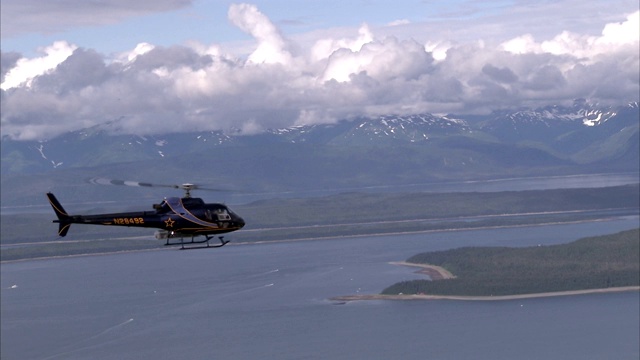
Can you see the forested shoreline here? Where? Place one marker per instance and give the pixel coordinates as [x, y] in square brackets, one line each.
[351, 214]
[590, 263]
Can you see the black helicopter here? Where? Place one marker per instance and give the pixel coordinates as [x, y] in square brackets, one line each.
[176, 218]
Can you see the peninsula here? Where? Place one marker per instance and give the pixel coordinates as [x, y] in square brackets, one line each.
[596, 264]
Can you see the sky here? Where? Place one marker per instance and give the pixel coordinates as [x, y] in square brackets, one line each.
[156, 66]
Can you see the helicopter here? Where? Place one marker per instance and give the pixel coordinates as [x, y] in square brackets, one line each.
[175, 218]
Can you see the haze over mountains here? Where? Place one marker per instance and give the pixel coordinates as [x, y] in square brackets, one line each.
[385, 150]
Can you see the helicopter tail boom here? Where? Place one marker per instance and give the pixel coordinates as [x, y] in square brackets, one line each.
[63, 218]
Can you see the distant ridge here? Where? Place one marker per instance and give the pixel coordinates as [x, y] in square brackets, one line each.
[389, 150]
[583, 133]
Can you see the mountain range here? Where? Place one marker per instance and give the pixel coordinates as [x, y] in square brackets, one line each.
[358, 152]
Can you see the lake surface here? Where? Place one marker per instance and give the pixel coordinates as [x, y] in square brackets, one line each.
[270, 301]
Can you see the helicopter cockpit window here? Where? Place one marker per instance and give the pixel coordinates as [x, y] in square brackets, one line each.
[222, 215]
[219, 214]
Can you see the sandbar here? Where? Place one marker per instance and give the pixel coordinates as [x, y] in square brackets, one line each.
[433, 271]
[439, 273]
[482, 298]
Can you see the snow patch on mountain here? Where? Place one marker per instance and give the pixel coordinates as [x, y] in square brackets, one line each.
[552, 126]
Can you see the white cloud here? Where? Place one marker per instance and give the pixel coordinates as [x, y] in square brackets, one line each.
[625, 32]
[399, 22]
[438, 49]
[140, 49]
[272, 48]
[26, 70]
[614, 36]
[206, 87]
[521, 45]
[323, 48]
[382, 60]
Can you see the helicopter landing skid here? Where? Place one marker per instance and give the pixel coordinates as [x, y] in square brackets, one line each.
[182, 243]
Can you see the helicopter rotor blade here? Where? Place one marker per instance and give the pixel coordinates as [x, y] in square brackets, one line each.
[105, 181]
[185, 186]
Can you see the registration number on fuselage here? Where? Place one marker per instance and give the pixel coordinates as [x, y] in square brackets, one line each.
[128, 221]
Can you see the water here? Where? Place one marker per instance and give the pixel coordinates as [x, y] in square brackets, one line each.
[270, 301]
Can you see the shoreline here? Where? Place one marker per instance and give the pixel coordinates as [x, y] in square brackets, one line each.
[348, 298]
[265, 242]
[432, 271]
[439, 273]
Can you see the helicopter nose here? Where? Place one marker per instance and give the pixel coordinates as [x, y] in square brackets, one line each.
[240, 222]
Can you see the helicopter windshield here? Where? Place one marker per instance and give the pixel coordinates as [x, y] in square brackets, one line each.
[217, 214]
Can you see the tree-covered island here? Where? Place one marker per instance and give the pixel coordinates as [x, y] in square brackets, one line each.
[601, 262]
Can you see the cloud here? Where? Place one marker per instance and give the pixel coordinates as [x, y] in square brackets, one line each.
[46, 17]
[8, 62]
[613, 37]
[381, 60]
[280, 83]
[272, 47]
[503, 75]
[625, 32]
[399, 22]
[25, 70]
[324, 48]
